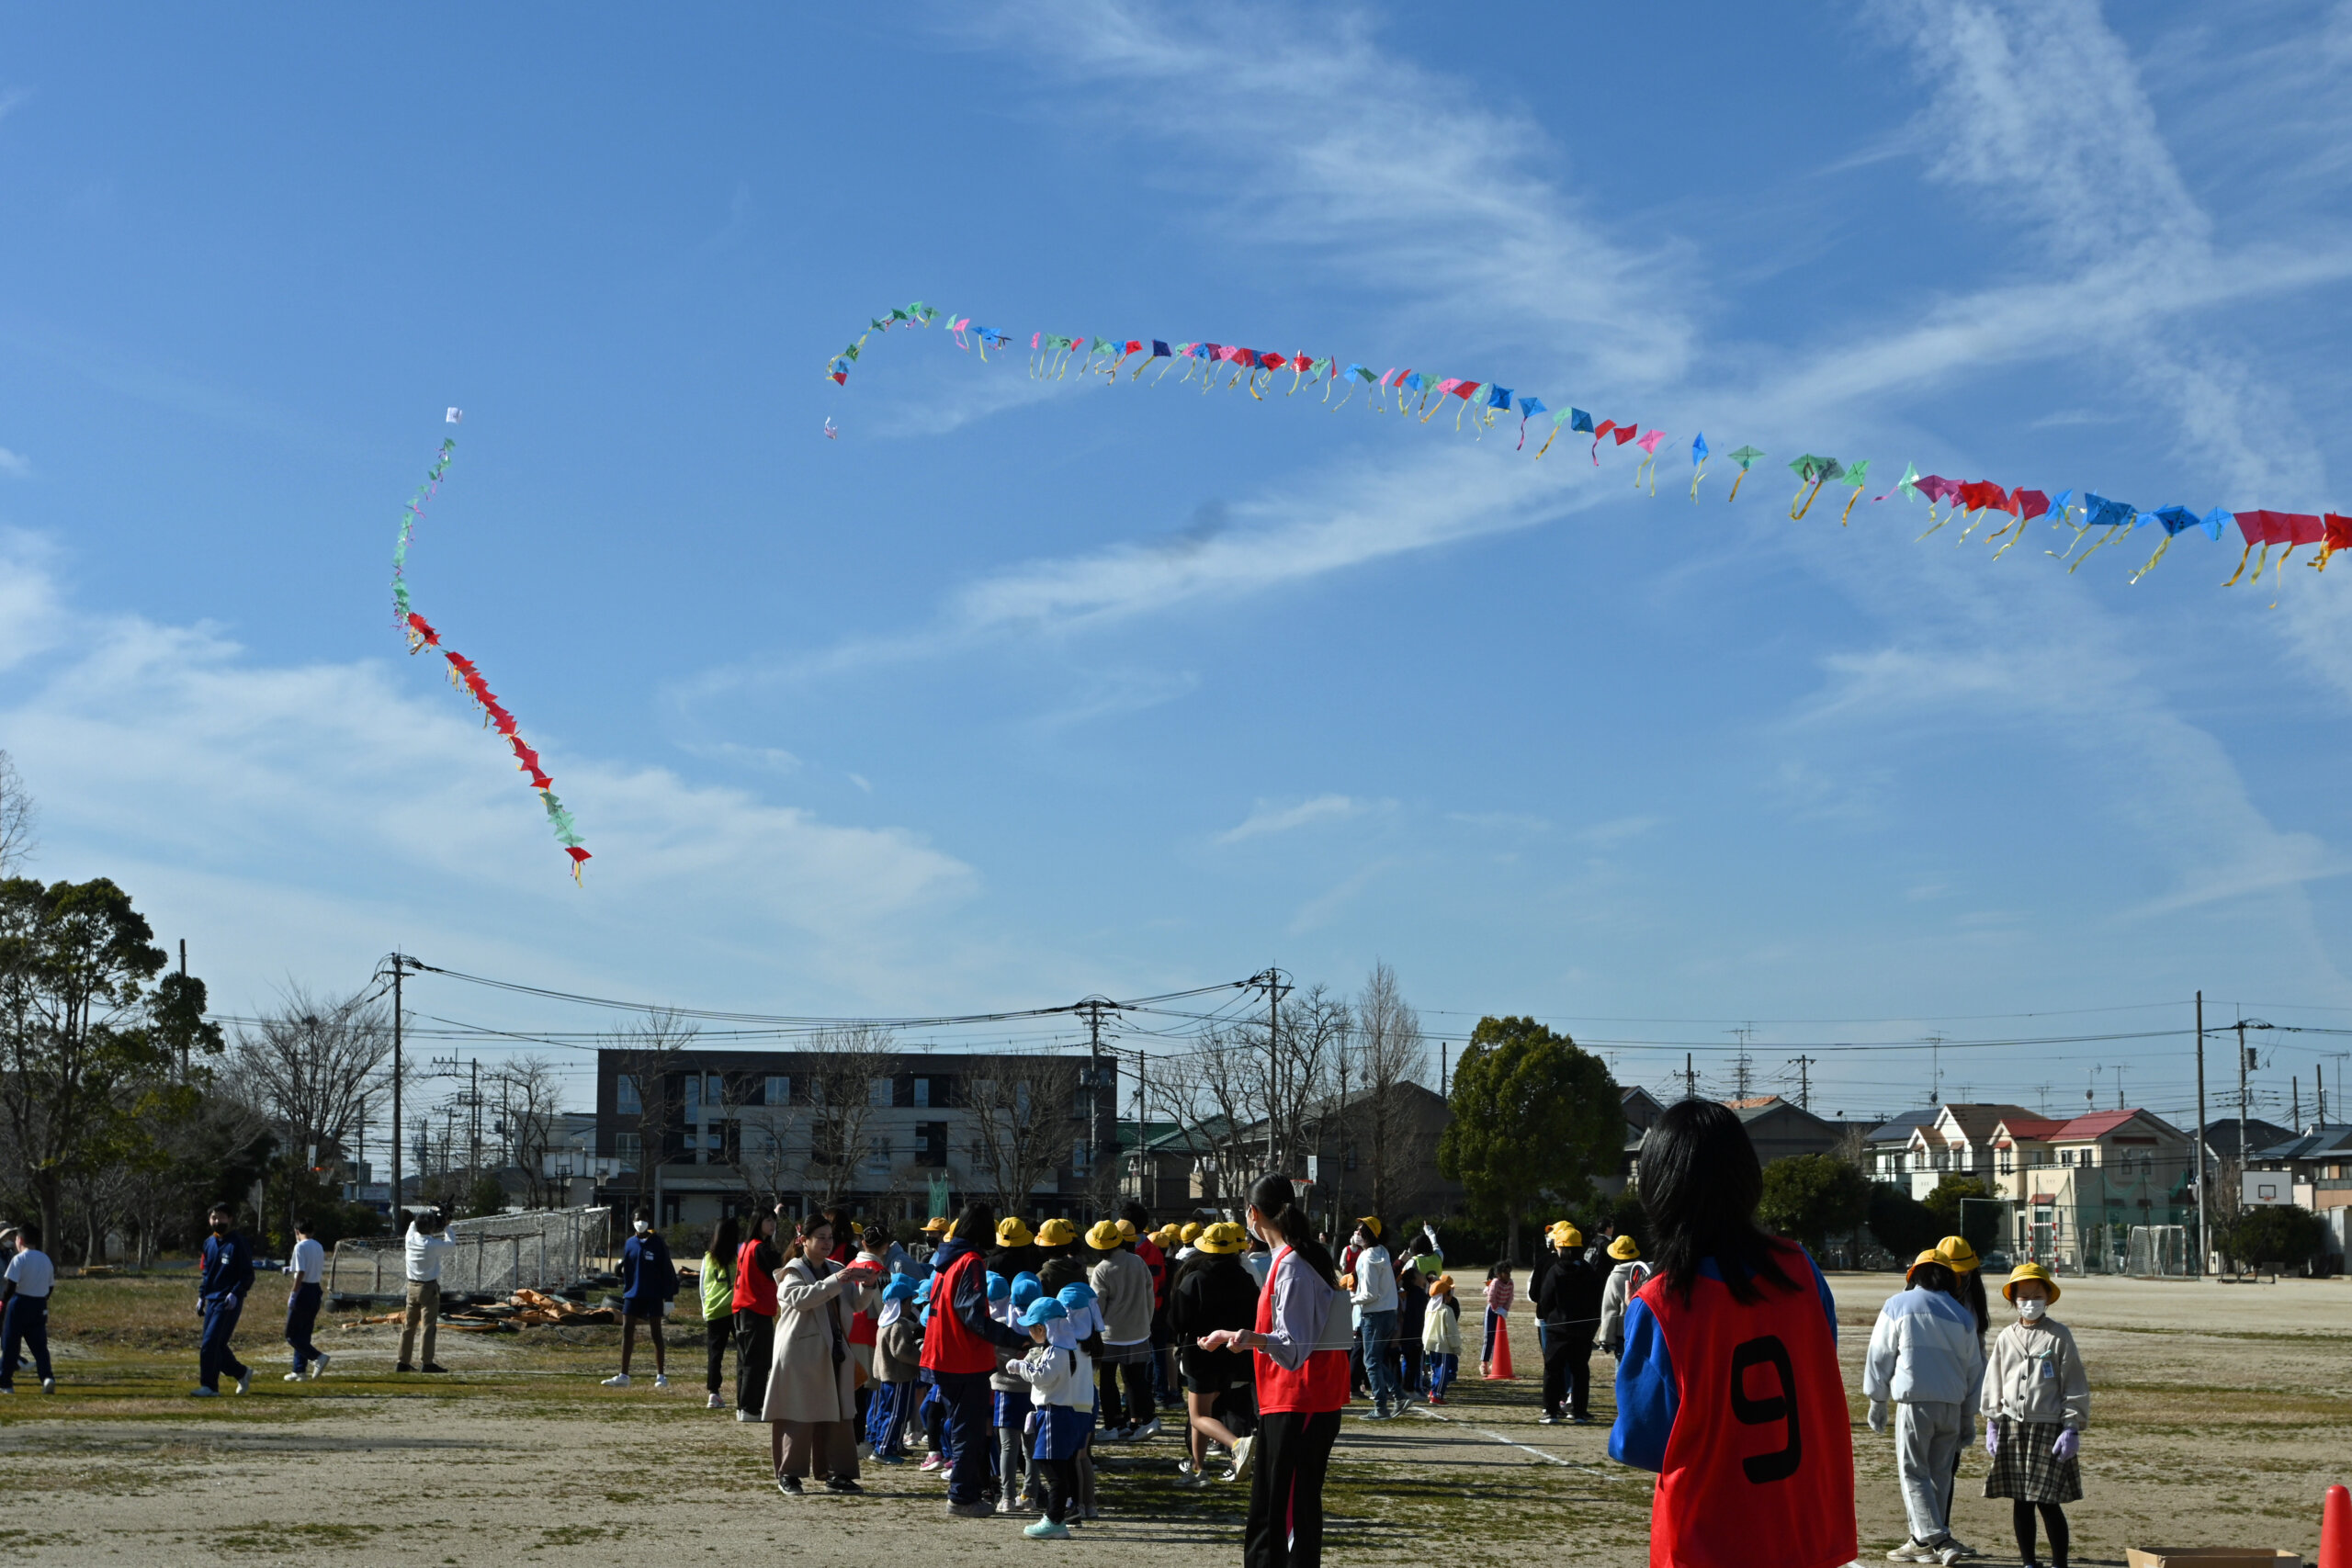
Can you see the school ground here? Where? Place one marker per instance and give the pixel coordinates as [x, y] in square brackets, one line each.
[2220, 1413]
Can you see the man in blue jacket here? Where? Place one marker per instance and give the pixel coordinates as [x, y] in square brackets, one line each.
[648, 1283]
[220, 1291]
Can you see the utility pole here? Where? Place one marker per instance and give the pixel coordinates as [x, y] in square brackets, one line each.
[474, 1106]
[1443, 1093]
[2241, 1197]
[1101, 1109]
[393, 1221]
[1805, 1081]
[1935, 1069]
[1271, 979]
[1740, 1063]
[2202, 1205]
[1689, 1078]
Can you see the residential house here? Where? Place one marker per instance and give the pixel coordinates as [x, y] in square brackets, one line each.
[1642, 1110]
[1958, 1140]
[2311, 1169]
[1781, 1128]
[1207, 1167]
[1886, 1147]
[2083, 1184]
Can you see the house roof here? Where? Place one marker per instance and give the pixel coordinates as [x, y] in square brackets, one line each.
[1976, 1120]
[1897, 1129]
[2315, 1143]
[2098, 1124]
[2222, 1136]
[2041, 1129]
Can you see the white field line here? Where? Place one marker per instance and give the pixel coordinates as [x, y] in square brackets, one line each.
[1507, 1442]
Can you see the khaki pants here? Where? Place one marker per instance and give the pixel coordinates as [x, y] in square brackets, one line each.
[424, 1307]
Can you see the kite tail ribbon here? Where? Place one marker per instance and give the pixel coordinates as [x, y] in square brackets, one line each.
[1695, 479]
[1849, 506]
[2233, 582]
[1734, 489]
[1796, 513]
[2153, 560]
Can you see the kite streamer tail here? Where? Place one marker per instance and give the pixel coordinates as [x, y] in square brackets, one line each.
[1596, 451]
[2241, 571]
[1982, 513]
[1849, 506]
[2013, 539]
[2153, 560]
[1343, 396]
[1796, 513]
[2119, 530]
[1734, 489]
[1523, 435]
[2258, 563]
[1547, 441]
[1933, 524]
[1650, 463]
[2278, 577]
[1695, 482]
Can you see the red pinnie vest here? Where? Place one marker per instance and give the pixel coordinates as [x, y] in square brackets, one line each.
[1321, 1382]
[948, 1345]
[1759, 1466]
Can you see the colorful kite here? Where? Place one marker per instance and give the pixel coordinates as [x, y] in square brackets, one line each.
[1420, 392]
[463, 673]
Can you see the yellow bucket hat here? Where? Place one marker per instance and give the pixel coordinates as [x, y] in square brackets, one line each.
[1104, 1236]
[934, 1225]
[1013, 1231]
[2025, 1271]
[1954, 1253]
[1056, 1233]
[1624, 1249]
[1221, 1238]
[1566, 1234]
[1930, 1256]
[1192, 1231]
[1370, 1222]
[1126, 1229]
[1442, 1285]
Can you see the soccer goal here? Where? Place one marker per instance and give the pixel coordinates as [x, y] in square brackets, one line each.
[2157, 1251]
[496, 1255]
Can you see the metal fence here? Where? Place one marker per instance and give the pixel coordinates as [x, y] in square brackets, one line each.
[496, 1255]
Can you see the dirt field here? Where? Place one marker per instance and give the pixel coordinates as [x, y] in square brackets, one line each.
[2220, 1413]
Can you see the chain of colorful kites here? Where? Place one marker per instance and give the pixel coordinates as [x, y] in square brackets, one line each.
[1413, 392]
[462, 670]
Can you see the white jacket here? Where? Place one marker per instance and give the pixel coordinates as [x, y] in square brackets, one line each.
[1376, 1288]
[1923, 1351]
[1056, 1372]
[1623, 1280]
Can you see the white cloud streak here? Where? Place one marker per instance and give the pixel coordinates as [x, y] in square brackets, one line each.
[1268, 818]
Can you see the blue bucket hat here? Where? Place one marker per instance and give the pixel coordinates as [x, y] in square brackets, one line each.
[999, 1287]
[1045, 1309]
[1026, 1288]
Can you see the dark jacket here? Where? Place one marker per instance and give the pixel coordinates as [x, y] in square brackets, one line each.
[1060, 1268]
[1569, 1294]
[1011, 1260]
[1212, 1293]
[647, 1273]
[971, 1303]
[228, 1268]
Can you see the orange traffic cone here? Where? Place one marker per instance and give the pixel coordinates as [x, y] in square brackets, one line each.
[2335, 1530]
[1499, 1370]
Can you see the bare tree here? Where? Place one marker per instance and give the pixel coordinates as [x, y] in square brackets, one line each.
[17, 818]
[849, 1060]
[1388, 1054]
[1020, 1122]
[655, 1046]
[530, 1093]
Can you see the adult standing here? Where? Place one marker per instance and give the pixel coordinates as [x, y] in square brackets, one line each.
[1729, 1388]
[811, 1403]
[1213, 1292]
[25, 1321]
[962, 1344]
[716, 1288]
[1301, 1340]
[306, 1269]
[427, 1244]
[221, 1287]
[1016, 1252]
[1567, 1305]
[649, 1284]
[756, 1261]
[1373, 1290]
[1121, 1282]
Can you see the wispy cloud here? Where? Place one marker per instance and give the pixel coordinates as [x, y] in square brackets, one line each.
[14, 464]
[1321, 909]
[1271, 818]
[1619, 830]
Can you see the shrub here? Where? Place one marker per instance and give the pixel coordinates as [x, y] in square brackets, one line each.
[2274, 1234]
[1900, 1223]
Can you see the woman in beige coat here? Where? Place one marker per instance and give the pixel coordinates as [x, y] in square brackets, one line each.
[811, 1407]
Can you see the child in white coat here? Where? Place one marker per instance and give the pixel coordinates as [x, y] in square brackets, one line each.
[1923, 1359]
[2037, 1401]
[1061, 1390]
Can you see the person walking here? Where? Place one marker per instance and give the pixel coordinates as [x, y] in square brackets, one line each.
[23, 1322]
[1121, 1282]
[1568, 1304]
[962, 1346]
[307, 1269]
[1372, 1289]
[1626, 1273]
[811, 1400]
[1213, 1292]
[1499, 1297]
[1301, 1340]
[1440, 1338]
[226, 1277]
[1729, 1387]
[1923, 1359]
[649, 1284]
[1061, 1394]
[716, 1288]
[2037, 1400]
[756, 1261]
[426, 1244]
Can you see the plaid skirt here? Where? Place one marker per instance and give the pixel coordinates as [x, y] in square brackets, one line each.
[2024, 1468]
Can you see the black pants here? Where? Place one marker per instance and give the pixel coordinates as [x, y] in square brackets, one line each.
[25, 1323]
[1567, 1369]
[966, 1395]
[1135, 1378]
[1059, 1486]
[715, 1332]
[1285, 1528]
[2054, 1518]
[754, 1339]
[302, 1317]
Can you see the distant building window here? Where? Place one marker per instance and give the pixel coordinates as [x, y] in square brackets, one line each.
[877, 1093]
[2005, 1162]
[923, 1094]
[779, 1091]
[628, 1148]
[931, 1142]
[1081, 1158]
[878, 1157]
[625, 1097]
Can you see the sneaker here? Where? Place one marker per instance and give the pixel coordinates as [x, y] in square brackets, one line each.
[1950, 1552]
[1005, 1504]
[931, 1462]
[714, 1402]
[745, 1415]
[661, 1380]
[1148, 1430]
[1580, 1420]
[1547, 1419]
[319, 1364]
[192, 1394]
[295, 1377]
[1241, 1452]
[6, 1389]
[789, 1485]
[434, 1367]
[1191, 1482]
[970, 1511]
[404, 1367]
[1910, 1551]
[245, 1381]
[889, 1459]
[1376, 1413]
[1046, 1529]
[1966, 1549]
[842, 1487]
[47, 1385]
[618, 1380]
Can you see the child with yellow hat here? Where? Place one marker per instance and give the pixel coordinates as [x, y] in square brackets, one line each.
[2037, 1401]
[1440, 1338]
[1924, 1360]
[1626, 1274]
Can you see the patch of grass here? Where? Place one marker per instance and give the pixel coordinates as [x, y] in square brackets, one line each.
[284, 1541]
[573, 1535]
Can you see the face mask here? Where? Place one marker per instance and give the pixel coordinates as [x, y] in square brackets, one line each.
[644, 1225]
[220, 1227]
[2032, 1308]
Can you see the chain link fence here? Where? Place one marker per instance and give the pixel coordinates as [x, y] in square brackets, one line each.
[495, 1255]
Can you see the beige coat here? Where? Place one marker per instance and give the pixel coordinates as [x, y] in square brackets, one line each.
[2037, 1375]
[814, 1305]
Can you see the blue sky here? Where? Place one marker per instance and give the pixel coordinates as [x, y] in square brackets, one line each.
[1016, 692]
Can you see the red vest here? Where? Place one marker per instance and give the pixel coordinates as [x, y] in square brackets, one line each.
[1760, 1462]
[754, 1286]
[948, 1345]
[1321, 1382]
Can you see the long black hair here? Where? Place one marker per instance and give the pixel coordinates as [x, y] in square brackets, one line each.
[976, 1226]
[1701, 1183]
[1971, 1296]
[1277, 1202]
[727, 1240]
